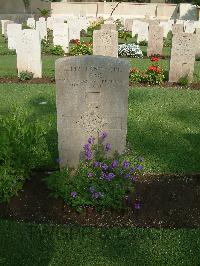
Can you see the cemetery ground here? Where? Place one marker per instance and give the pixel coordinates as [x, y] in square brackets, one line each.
[163, 127]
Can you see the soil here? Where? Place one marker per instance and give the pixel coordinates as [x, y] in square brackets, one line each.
[167, 201]
[31, 81]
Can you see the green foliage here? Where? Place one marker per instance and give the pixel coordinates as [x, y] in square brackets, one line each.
[168, 41]
[80, 49]
[44, 12]
[153, 75]
[125, 35]
[49, 48]
[184, 81]
[25, 26]
[22, 149]
[25, 75]
[143, 43]
[99, 181]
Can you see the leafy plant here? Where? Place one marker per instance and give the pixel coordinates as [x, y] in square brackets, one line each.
[44, 12]
[23, 148]
[99, 181]
[168, 41]
[49, 48]
[136, 76]
[25, 75]
[125, 35]
[130, 50]
[80, 49]
[184, 81]
[25, 26]
[143, 43]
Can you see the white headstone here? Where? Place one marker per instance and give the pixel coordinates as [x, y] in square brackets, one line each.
[41, 26]
[60, 35]
[31, 23]
[50, 22]
[13, 31]
[143, 32]
[167, 27]
[29, 52]
[74, 30]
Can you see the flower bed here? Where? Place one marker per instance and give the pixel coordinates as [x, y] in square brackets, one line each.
[130, 50]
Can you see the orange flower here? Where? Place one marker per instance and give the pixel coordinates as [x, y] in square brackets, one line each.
[155, 59]
[134, 69]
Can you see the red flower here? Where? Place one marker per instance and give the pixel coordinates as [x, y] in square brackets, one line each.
[154, 69]
[154, 59]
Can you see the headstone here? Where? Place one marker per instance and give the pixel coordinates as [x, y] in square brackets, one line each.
[50, 22]
[189, 26]
[13, 31]
[4, 23]
[105, 42]
[108, 27]
[167, 27]
[31, 23]
[128, 24]
[143, 32]
[41, 26]
[60, 35]
[74, 30]
[135, 27]
[91, 97]
[177, 28]
[197, 43]
[182, 56]
[155, 40]
[29, 52]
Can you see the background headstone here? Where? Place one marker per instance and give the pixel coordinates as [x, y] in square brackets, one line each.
[60, 35]
[105, 42]
[143, 32]
[31, 23]
[74, 29]
[182, 56]
[197, 43]
[91, 97]
[177, 28]
[41, 26]
[13, 31]
[155, 40]
[29, 52]
[4, 23]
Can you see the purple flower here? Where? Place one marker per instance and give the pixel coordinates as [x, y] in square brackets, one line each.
[140, 167]
[125, 164]
[91, 140]
[73, 194]
[132, 169]
[87, 147]
[96, 195]
[110, 176]
[103, 135]
[104, 166]
[137, 206]
[96, 164]
[127, 176]
[107, 147]
[90, 174]
[88, 155]
[114, 164]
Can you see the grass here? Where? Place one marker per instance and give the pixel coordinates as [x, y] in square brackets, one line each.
[28, 244]
[163, 124]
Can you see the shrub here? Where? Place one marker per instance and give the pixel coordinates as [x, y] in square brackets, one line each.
[83, 33]
[136, 76]
[184, 81]
[23, 148]
[25, 26]
[125, 35]
[168, 41]
[99, 181]
[143, 43]
[25, 75]
[154, 74]
[129, 50]
[81, 49]
[56, 50]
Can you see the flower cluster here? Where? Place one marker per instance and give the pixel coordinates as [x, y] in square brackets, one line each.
[130, 50]
[153, 75]
[103, 172]
[81, 48]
